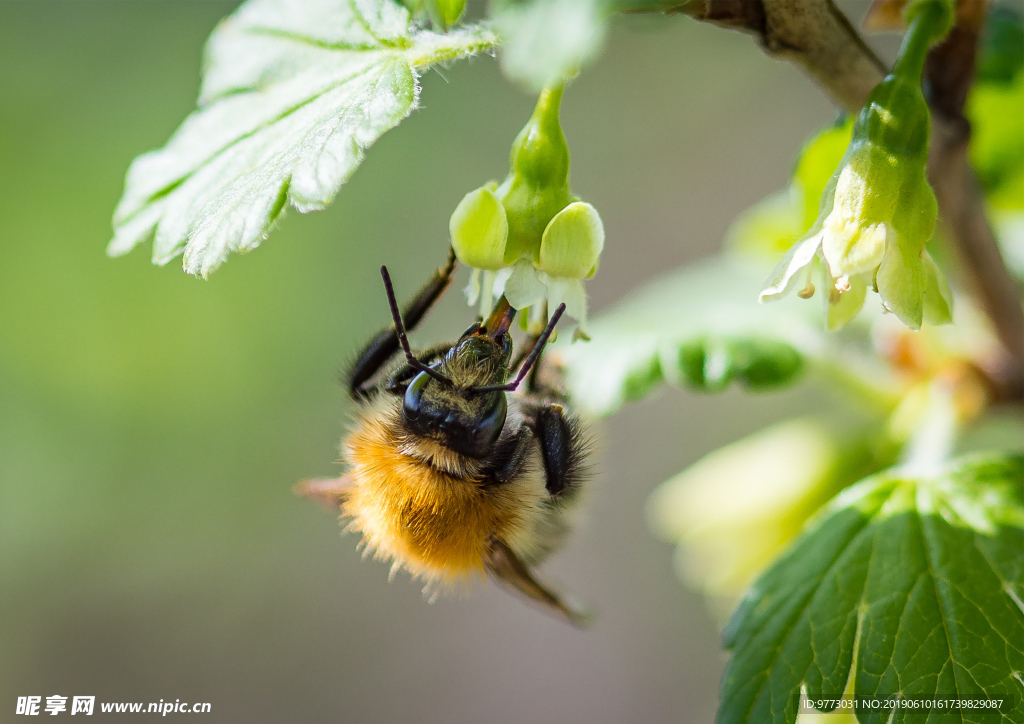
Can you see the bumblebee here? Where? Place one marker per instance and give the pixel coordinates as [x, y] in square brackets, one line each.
[454, 471]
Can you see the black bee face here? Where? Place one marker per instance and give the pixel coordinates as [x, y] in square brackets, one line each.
[466, 421]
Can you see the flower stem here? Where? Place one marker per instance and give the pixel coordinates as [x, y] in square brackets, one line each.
[926, 27]
[861, 384]
[932, 441]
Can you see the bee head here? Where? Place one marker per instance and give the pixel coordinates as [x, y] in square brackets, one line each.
[454, 411]
[460, 400]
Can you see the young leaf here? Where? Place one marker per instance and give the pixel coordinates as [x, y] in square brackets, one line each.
[914, 583]
[294, 92]
[997, 140]
[545, 41]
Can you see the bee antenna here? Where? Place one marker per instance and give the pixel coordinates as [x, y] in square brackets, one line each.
[530, 359]
[400, 331]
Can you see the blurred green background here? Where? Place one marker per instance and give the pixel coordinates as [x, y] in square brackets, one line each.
[151, 424]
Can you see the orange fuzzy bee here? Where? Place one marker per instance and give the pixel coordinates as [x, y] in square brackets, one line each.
[451, 475]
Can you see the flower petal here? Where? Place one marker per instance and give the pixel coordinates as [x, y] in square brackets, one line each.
[853, 248]
[479, 229]
[523, 286]
[570, 292]
[841, 307]
[783, 277]
[473, 288]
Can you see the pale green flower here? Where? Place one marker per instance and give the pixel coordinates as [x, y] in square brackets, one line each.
[878, 211]
[529, 238]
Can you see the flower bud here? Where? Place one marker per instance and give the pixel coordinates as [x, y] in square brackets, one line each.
[442, 13]
[448, 12]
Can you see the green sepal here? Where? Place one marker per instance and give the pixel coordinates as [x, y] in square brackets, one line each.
[479, 230]
[902, 279]
[858, 228]
[572, 242]
[841, 308]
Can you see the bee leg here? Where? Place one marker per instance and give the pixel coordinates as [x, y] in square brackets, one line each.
[508, 569]
[328, 493]
[561, 448]
[384, 344]
[510, 455]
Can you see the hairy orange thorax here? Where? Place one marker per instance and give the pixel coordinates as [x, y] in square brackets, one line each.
[436, 524]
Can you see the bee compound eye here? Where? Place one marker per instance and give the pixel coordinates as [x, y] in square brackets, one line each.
[493, 421]
[412, 405]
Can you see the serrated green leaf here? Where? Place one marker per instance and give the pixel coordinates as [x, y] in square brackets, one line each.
[914, 582]
[701, 327]
[546, 41]
[294, 92]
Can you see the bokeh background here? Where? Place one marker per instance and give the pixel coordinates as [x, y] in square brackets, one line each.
[151, 424]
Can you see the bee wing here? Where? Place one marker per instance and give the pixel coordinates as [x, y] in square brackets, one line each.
[328, 493]
[504, 565]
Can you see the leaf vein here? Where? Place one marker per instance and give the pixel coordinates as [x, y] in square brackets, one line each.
[941, 601]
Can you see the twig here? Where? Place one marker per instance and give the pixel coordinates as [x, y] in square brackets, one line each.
[813, 34]
[949, 74]
[816, 35]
